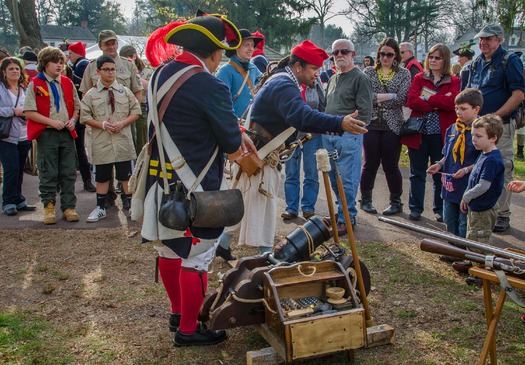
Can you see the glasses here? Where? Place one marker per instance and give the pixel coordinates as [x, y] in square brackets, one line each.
[344, 52]
[105, 69]
[437, 58]
[389, 54]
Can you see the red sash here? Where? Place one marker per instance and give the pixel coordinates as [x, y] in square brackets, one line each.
[43, 105]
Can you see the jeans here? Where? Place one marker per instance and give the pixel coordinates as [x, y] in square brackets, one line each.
[350, 151]
[455, 219]
[13, 158]
[292, 184]
[429, 151]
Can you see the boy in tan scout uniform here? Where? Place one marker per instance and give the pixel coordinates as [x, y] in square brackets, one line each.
[51, 107]
[126, 76]
[110, 108]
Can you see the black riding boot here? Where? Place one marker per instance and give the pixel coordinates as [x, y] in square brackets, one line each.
[366, 202]
[520, 152]
[395, 205]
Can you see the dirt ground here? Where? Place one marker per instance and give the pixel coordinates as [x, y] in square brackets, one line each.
[95, 288]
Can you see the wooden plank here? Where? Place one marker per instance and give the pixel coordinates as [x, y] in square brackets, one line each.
[270, 337]
[379, 335]
[266, 356]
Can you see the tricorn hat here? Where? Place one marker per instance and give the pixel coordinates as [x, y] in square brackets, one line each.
[246, 34]
[207, 32]
[30, 56]
[464, 51]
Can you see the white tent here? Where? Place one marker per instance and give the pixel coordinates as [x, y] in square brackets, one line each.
[138, 42]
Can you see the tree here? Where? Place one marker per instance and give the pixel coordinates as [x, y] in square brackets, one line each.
[403, 20]
[509, 13]
[23, 16]
[323, 12]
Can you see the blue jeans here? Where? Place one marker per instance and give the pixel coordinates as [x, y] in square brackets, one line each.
[292, 184]
[13, 158]
[350, 150]
[455, 219]
[428, 153]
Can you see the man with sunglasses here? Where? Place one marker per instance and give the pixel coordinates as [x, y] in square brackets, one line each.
[409, 60]
[349, 90]
[498, 74]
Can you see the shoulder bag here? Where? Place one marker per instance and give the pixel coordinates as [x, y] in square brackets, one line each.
[6, 122]
[412, 125]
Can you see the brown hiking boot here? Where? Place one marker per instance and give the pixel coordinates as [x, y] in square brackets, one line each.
[70, 215]
[49, 214]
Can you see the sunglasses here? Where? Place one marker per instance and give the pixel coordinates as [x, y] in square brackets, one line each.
[437, 58]
[389, 54]
[344, 52]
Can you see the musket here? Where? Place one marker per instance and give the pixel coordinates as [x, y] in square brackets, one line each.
[286, 154]
[511, 266]
[455, 239]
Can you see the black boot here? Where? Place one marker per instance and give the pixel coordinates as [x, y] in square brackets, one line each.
[88, 185]
[366, 202]
[519, 154]
[226, 254]
[395, 205]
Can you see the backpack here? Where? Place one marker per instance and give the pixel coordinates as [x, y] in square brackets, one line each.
[520, 110]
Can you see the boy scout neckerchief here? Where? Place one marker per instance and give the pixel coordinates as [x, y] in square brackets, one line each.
[111, 99]
[54, 89]
[461, 143]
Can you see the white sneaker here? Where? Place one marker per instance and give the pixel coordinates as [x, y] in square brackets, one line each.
[97, 214]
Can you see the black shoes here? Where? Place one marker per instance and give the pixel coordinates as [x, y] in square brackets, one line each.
[226, 254]
[473, 280]
[10, 211]
[394, 208]
[438, 217]
[414, 216]
[367, 206]
[126, 202]
[27, 208]
[88, 186]
[502, 224]
[201, 337]
[174, 322]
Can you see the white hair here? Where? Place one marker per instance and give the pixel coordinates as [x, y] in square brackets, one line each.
[348, 43]
[409, 46]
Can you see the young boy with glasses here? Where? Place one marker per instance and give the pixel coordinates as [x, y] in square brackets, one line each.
[109, 109]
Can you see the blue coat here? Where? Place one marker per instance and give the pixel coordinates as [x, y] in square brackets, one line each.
[233, 79]
[279, 105]
[198, 118]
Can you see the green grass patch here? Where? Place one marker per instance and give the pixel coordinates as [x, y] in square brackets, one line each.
[27, 339]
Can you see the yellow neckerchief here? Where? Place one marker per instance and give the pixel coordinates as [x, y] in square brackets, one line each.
[461, 142]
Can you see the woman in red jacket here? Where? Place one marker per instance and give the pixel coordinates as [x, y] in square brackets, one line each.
[431, 96]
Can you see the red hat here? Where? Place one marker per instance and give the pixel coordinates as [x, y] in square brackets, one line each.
[259, 47]
[309, 52]
[78, 47]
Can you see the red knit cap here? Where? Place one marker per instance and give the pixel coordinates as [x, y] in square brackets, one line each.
[78, 47]
[309, 52]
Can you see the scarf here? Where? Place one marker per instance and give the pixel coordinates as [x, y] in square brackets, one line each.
[461, 143]
[54, 90]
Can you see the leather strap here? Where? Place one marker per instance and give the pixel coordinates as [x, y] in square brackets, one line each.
[181, 80]
[246, 79]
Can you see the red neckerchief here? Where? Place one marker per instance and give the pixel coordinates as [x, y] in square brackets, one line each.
[188, 58]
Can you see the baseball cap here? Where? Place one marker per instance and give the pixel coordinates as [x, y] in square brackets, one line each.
[106, 35]
[489, 30]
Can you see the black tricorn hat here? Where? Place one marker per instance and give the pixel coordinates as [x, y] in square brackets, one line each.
[464, 51]
[207, 32]
[246, 34]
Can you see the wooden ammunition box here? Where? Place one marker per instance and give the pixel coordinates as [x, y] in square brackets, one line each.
[320, 333]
